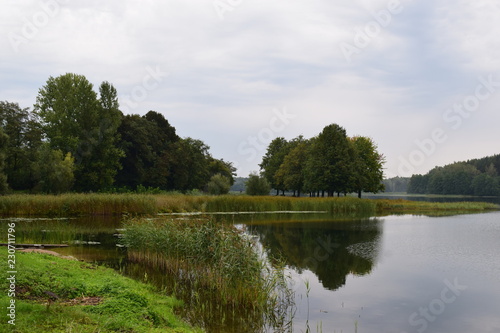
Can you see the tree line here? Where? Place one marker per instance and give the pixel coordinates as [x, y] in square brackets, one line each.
[77, 139]
[473, 177]
[328, 163]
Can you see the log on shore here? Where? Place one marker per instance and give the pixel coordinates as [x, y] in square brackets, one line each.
[35, 245]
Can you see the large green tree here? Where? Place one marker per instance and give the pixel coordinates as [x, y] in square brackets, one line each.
[53, 171]
[271, 162]
[146, 140]
[188, 163]
[332, 158]
[76, 120]
[3, 147]
[368, 166]
[291, 172]
[24, 138]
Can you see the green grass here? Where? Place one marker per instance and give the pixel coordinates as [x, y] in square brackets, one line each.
[137, 204]
[122, 304]
[216, 261]
[407, 206]
[76, 204]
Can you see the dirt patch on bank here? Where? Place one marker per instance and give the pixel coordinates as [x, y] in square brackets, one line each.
[48, 252]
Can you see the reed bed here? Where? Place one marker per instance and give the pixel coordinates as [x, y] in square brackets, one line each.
[143, 204]
[407, 206]
[214, 259]
[76, 204]
[235, 203]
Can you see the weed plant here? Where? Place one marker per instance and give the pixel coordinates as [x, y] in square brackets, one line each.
[137, 204]
[214, 260]
[76, 204]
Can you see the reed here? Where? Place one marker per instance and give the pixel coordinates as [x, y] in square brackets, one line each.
[76, 204]
[407, 206]
[212, 259]
[136, 204]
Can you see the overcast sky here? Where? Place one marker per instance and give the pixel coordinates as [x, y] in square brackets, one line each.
[421, 78]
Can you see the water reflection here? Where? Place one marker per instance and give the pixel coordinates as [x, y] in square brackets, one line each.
[371, 273]
[331, 250]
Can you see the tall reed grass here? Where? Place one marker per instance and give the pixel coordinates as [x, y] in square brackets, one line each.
[117, 204]
[407, 206]
[234, 203]
[210, 257]
[76, 204]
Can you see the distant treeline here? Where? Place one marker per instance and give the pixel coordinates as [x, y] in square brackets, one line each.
[474, 177]
[328, 163]
[78, 140]
[396, 184]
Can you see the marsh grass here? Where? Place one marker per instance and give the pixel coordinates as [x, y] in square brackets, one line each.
[407, 206]
[216, 264]
[143, 204]
[76, 204]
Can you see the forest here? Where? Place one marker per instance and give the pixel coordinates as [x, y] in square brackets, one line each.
[477, 177]
[78, 140]
[328, 163]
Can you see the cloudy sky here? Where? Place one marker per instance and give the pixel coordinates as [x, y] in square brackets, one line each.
[421, 78]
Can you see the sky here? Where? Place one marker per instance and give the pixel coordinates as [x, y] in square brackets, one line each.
[421, 78]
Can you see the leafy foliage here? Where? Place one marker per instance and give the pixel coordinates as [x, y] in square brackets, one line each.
[330, 162]
[3, 178]
[218, 184]
[257, 185]
[80, 139]
[475, 177]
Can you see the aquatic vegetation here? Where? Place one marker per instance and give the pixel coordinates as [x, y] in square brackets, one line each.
[218, 263]
[144, 204]
[76, 204]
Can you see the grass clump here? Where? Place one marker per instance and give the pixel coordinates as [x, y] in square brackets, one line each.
[215, 260]
[76, 204]
[88, 298]
[143, 204]
[407, 206]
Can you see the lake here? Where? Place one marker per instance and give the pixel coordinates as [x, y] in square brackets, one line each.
[375, 274]
[395, 274]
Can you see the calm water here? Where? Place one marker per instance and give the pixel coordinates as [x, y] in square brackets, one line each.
[389, 274]
[394, 274]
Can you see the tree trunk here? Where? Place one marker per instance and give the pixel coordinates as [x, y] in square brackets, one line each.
[359, 194]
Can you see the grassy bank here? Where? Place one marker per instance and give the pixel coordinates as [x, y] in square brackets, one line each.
[88, 298]
[117, 204]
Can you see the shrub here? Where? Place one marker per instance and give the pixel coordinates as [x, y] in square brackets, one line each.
[218, 185]
[257, 185]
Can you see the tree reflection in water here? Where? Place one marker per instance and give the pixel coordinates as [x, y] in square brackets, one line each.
[329, 249]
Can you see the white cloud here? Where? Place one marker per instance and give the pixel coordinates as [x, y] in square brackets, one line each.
[226, 76]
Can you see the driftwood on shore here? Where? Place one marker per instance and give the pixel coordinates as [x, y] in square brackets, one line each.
[35, 245]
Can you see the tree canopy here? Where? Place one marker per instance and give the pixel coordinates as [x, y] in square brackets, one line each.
[474, 177]
[77, 139]
[329, 162]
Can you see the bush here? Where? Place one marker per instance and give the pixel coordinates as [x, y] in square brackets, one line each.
[218, 185]
[257, 185]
